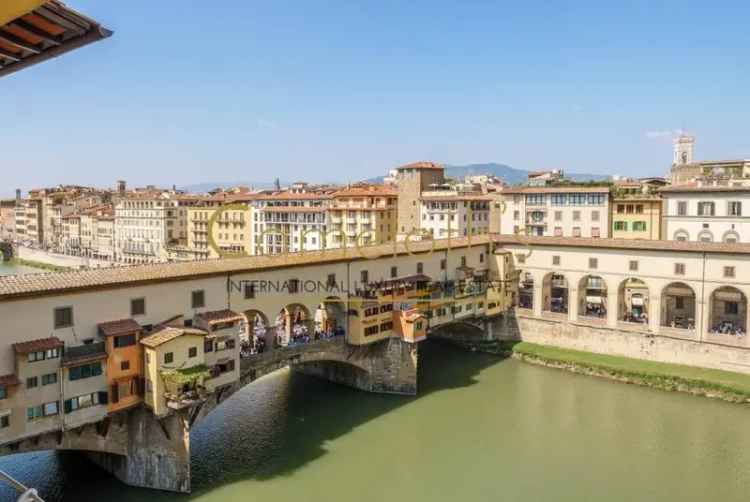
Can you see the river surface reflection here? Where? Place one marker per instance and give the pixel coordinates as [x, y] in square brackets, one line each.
[482, 429]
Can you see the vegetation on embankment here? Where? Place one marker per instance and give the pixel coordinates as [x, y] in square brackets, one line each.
[38, 264]
[726, 385]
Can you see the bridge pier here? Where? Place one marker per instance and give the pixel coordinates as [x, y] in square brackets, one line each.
[158, 452]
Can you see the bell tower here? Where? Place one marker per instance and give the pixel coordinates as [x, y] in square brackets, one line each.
[683, 150]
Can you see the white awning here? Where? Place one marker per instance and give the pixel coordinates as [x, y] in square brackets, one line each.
[636, 301]
[594, 299]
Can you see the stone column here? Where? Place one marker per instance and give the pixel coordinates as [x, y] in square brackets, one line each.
[613, 307]
[702, 316]
[654, 314]
[538, 298]
[573, 302]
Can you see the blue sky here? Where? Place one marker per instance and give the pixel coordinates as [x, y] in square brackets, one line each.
[343, 90]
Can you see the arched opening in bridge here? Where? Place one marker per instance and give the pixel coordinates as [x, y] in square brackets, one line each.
[555, 293]
[330, 318]
[257, 334]
[526, 291]
[592, 297]
[728, 312]
[293, 325]
[678, 306]
[633, 298]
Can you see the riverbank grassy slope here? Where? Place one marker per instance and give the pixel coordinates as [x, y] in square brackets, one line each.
[726, 385]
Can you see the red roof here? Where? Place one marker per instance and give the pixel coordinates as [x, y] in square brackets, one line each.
[421, 165]
[220, 316]
[8, 380]
[121, 327]
[38, 345]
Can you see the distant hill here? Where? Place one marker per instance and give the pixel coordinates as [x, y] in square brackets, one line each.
[509, 174]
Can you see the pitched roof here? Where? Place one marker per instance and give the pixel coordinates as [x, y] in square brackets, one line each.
[558, 189]
[121, 327]
[169, 333]
[37, 345]
[8, 380]
[28, 37]
[50, 284]
[225, 315]
[421, 165]
[698, 189]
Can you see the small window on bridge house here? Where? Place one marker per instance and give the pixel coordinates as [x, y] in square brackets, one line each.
[420, 267]
[729, 272]
[679, 269]
[633, 267]
[137, 307]
[168, 357]
[521, 258]
[364, 277]
[193, 352]
[198, 299]
[463, 261]
[593, 262]
[443, 264]
[556, 260]
[331, 281]
[63, 317]
[394, 271]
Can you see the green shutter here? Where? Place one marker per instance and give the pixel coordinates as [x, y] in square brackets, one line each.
[68, 405]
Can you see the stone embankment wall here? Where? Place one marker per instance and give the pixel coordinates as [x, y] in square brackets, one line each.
[620, 342]
[58, 260]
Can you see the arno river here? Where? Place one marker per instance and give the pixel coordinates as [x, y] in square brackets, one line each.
[482, 429]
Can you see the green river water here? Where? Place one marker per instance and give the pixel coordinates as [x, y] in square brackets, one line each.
[482, 428]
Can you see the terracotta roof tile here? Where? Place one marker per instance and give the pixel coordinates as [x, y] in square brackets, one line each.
[121, 327]
[220, 316]
[421, 165]
[37, 345]
[9, 380]
[169, 333]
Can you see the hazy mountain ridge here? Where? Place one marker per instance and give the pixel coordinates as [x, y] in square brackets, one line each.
[510, 175]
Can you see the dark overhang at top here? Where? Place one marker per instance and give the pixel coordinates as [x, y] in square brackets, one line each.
[46, 30]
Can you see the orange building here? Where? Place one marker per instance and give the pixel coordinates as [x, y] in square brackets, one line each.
[124, 363]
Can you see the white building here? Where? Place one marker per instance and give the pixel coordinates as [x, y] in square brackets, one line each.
[706, 213]
[446, 214]
[561, 211]
[289, 222]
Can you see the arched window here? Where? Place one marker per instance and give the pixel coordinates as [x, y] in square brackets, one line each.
[730, 237]
[681, 235]
[705, 236]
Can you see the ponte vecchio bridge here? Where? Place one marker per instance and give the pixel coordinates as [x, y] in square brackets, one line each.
[121, 363]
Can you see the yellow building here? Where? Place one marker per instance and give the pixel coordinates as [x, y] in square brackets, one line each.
[231, 229]
[363, 215]
[636, 211]
[174, 368]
